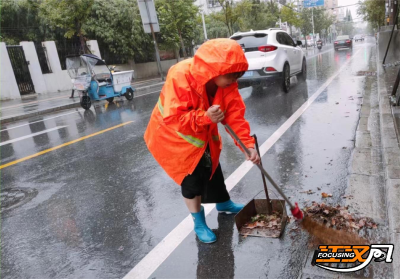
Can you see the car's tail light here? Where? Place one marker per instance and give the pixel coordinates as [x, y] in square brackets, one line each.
[348, 41]
[270, 69]
[336, 43]
[267, 48]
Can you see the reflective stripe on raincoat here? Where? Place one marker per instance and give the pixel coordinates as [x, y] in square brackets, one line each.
[178, 133]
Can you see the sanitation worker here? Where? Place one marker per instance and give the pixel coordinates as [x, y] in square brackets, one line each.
[182, 133]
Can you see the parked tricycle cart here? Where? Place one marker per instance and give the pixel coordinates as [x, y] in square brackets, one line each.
[94, 81]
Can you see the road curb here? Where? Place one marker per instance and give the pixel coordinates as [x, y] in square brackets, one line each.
[139, 91]
[391, 159]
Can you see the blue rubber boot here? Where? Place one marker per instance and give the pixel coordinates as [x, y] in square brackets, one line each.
[229, 207]
[203, 232]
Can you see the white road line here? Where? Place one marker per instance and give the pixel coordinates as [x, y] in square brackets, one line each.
[65, 97]
[32, 135]
[161, 252]
[145, 81]
[315, 55]
[10, 128]
[33, 102]
[148, 93]
[6, 129]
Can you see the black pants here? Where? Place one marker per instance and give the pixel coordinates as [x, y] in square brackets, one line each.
[199, 184]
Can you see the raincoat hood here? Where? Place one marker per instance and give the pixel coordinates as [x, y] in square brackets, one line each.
[179, 130]
[217, 57]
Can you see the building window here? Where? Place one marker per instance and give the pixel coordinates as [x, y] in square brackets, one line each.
[213, 3]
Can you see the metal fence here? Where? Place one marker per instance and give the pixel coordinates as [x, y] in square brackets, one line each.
[69, 47]
[21, 70]
[43, 60]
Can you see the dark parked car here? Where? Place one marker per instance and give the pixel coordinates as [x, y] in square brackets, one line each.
[343, 41]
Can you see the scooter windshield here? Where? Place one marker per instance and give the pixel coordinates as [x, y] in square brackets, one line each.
[99, 69]
[76, 67]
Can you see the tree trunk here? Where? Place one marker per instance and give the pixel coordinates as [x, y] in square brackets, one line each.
[177, 56]
[226, 18]
[182, 45]
[83, 43]
[78, 27]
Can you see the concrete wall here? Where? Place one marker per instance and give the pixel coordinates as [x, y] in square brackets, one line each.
[394, 50]
[94, 47]
[147, 70]
[34, 67]
[52, 56]
[8, 84]
[59, 81]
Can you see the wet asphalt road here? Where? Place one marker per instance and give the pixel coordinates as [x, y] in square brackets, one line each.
[103, 203]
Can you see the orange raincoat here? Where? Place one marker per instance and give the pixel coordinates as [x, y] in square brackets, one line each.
[178, 133]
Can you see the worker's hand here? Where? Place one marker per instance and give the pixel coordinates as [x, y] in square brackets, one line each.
[253, 156]
[215, 114]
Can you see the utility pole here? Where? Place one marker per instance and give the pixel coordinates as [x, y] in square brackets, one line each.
[313, 29]
[149, 18]
[204, 27]
[392, 10]
[155, 43]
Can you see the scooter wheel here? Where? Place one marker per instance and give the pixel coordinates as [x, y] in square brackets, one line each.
[129, 94]
[86, 103]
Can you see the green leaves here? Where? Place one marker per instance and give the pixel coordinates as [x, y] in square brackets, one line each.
[305, 21]
[232, 14]
[289, 15]
[178, 21]
[70, 15]
[242, 16]
[372, 11]
[322, 20]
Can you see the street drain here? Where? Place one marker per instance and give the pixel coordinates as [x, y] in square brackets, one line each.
[365, 73]
[11, 198]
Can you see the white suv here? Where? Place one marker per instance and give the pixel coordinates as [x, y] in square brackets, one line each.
[272, 54]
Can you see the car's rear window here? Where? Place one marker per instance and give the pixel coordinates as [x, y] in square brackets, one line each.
[251, 41]
[346, 37]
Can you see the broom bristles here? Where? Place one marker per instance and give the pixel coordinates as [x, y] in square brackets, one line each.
[331, 236]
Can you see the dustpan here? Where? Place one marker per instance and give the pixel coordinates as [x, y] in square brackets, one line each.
[265, 206]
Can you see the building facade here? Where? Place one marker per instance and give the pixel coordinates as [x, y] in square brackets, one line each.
[208, 6]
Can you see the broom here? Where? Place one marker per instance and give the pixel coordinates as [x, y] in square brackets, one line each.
[324, 234]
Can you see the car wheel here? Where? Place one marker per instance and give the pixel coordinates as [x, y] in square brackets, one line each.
[303, 75]
[286, 78]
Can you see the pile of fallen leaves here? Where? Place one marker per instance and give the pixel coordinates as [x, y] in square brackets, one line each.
[338, 217]
[263, 225]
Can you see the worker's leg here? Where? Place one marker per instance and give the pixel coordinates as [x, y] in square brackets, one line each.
[194, 205]
[215, 192]
[191, 191]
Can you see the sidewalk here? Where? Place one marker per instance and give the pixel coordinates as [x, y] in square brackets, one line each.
[39, 104]
[389, 122]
